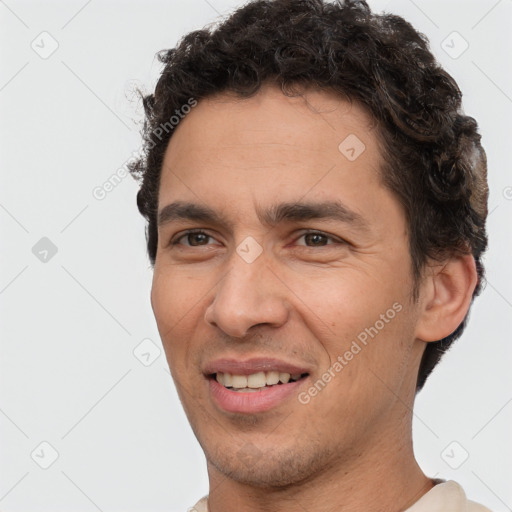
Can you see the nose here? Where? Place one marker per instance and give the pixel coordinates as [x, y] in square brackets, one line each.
[249, 294]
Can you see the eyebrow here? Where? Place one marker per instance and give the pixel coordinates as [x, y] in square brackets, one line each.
[283, 212]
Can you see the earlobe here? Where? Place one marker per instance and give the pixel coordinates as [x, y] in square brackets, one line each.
[445, 297]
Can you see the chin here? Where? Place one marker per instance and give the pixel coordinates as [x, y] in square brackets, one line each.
[274, 467]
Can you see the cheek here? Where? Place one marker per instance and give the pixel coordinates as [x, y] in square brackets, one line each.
[174, 293]
[361, 319]
[342, 303]
[177, 302]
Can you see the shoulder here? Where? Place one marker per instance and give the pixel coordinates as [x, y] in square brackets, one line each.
[476, 507]
[202, 505]
[446, 496]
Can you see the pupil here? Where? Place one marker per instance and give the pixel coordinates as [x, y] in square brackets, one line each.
[315, 238]
[196, 237]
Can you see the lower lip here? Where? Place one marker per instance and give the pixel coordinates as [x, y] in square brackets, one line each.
[258, 401]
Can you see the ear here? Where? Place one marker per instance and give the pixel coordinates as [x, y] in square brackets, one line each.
[445, 296]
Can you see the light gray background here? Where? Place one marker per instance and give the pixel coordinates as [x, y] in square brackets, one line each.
[69, 325]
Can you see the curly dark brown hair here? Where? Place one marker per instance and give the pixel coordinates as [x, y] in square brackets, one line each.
[434, 163]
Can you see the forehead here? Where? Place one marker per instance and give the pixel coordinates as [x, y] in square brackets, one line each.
[271, 147]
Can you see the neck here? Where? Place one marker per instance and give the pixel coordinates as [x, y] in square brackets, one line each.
[385, 477]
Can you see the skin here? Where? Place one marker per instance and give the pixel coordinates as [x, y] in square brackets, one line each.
[304, 300]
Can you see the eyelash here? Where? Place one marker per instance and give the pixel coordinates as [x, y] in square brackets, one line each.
[312, 232]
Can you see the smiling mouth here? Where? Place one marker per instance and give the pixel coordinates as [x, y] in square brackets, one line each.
[256, 381]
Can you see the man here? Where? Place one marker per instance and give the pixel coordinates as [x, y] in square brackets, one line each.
[316, 203]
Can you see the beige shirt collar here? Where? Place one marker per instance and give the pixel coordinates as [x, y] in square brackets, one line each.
[444, 497]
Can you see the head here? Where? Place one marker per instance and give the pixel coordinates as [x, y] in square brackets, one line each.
[287, 110]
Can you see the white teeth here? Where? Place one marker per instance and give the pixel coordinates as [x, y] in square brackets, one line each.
[284, 377]
[239, 381]
[272, 378]
[227, 379]
[256, 380]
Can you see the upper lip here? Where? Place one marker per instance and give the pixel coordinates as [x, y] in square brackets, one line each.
[253, 365]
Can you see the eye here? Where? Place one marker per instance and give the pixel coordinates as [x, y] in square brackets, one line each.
[198, 238]
[317, 239]
[193, 238]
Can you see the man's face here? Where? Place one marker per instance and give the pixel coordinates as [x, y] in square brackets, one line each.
[267, 288]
